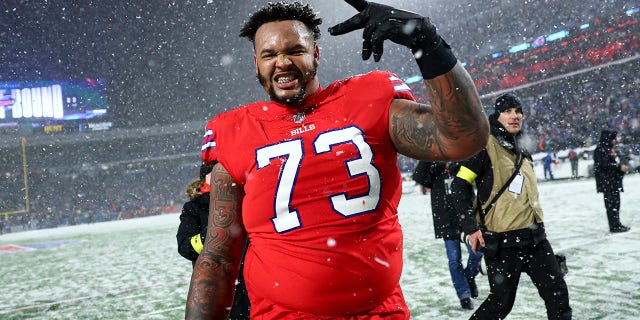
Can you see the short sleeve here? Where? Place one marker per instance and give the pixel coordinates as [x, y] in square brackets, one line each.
[208, 151]
[400, 88]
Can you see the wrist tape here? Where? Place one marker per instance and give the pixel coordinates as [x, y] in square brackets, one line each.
[435, 59]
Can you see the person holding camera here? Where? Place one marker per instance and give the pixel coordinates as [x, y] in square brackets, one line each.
[505, 220]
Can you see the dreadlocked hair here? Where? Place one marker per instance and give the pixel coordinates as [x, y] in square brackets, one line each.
[282, 11]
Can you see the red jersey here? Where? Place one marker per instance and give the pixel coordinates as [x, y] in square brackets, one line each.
[321, 187]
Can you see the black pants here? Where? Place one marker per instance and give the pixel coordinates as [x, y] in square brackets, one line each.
[612, 204]
[504, 270]
[241, 305]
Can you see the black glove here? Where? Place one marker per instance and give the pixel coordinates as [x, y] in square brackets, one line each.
[381, 22]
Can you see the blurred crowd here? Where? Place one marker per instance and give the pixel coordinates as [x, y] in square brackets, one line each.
[505, 23]
[59, 197]
[86, 182]
[610, 39]
[570, 113]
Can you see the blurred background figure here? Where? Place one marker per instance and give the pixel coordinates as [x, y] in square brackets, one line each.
[547, 161]
[609, 171]
[438, 176]
[573, 160]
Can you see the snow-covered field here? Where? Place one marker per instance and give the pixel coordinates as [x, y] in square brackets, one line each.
[131, 269]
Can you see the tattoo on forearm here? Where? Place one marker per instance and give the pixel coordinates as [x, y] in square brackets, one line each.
[210, 289]
[457, 105]
[223, 211]
[422, 136]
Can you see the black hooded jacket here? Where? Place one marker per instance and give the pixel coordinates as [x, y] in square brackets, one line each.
[605, 166]
[433, 175]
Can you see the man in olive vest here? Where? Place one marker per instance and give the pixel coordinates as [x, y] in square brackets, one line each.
[505, 219]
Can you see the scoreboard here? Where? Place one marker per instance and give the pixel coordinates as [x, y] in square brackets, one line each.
[54, 106]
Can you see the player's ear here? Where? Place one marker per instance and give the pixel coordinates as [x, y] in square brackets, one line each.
[255, 64]
[316, 55]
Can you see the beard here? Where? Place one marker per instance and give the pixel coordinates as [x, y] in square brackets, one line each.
[296, 98]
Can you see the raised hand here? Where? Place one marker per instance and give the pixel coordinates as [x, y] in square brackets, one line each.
[381, 22]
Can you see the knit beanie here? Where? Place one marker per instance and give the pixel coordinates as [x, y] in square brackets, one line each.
[506, 102]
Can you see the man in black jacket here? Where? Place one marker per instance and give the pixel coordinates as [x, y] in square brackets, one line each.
[506, 218]
[609, 171]
[437, 176]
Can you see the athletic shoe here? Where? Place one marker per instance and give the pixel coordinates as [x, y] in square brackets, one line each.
[619, 228]
[466, 304]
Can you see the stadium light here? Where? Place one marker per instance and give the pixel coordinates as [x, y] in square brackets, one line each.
[557, 35]
[519, 47]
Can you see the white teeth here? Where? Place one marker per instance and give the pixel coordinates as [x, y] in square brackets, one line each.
[284, 79]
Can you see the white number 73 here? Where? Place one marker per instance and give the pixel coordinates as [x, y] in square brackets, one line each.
[287, 218]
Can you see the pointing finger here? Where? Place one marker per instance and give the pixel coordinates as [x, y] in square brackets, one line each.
[354, 23]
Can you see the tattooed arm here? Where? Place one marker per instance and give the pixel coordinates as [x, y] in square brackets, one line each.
[216, 270]
[453, 128]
